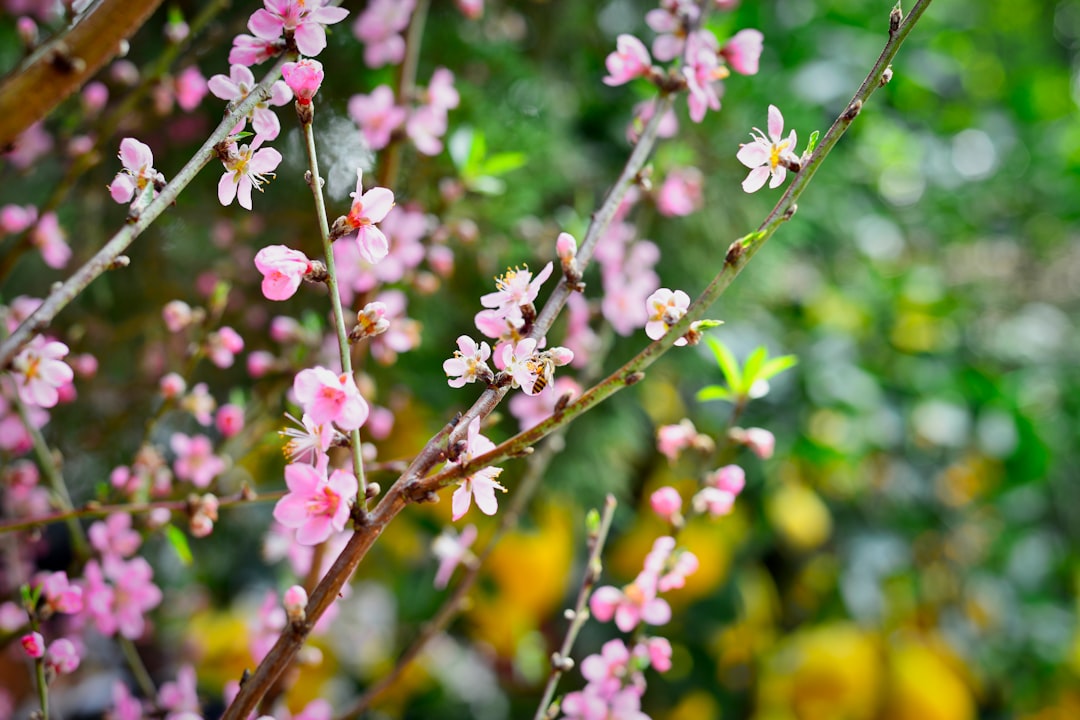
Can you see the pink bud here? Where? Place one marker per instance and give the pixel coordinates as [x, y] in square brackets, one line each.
[231, 340]
[714, 501]
[229, 419]
[303, 78]
[666, 502]
[730, 478]
[295, 600]
[177, 315]
[259, 363]
[172, 386]
[33, 644]
[27, 30]
[561, 356]
[566, 247]
[760, 441]
[63, 657]
[94, 96]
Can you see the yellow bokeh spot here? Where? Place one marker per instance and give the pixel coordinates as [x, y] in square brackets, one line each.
[800, 517]
[831, 672]
[697, 705]
[925, 684]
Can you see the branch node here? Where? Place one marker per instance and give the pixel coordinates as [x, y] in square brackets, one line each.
[790, 212]
[61, 58]
[852, 111]
[119, 262]
[634, 377]
[895, 17]
[734, 252]
[886, 76]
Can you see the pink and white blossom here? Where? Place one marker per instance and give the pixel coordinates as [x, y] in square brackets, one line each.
[469, 363]
[766, 154]
[316, 504]
[634, 604]
[195, 459]
[301, 20]
[40, 372]
[666, 307]
[452, 549]
[367, 209]
[330, 398]
[246, 167]
[237, 85]
[517, 288]
[283, 270]
[62, 657]
[304, 78]
[743, 51]
[666, 502]
[380, 28]
[630, 60]
[138, 173]
[51, 241]
[377, 115]
[481, 485]
[250, 50]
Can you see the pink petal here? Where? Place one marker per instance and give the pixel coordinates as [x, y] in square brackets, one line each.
[756, 179]
[310, 39]
[122, 189]
[377, 203]
[243, 193]
[314, 531]
[461, 500]
[372, 243]
[484, 493]
[776, 123]
[265, 25]
[753, 155]
[223, 88]
[264, 161]
[227, 188]
[291, 510]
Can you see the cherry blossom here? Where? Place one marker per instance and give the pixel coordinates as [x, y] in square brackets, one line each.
[138, 173]
[40, 372]
[666, 502]
[367, 209]
[120, 606]
[223, 345]
[246, 167]
[730, 478]
[62, 657]
[630, 60]
[516, 362]
[301, 20]
[452, 549]
[666, 307]
[51, 241]
[481, 485]
[33, 644]
[283, 270]
[379, 27]
[195, 459]
[330, 398]
[516, 289]
[714, 501]
[250, 50]
[377, 115]
[238, 85]
[702, 71]
[316, 505]
[681, 193]
[114, 536]
[303, 78]
[469, 363]
[743, 51]
[766, 154]
[633, 604]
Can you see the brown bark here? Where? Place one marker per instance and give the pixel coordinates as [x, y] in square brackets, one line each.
[61, 66]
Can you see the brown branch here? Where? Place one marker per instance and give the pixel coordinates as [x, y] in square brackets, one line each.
[61, 66]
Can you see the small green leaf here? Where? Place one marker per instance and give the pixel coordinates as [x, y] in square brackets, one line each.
[777, 365]
[708, 324]
[813, 142]
[751, 368]
[592, 521]
[179, 542]
[727, 362]
[502, 163]
[713, 392]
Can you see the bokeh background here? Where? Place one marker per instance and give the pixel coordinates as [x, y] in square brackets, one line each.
[910, 551]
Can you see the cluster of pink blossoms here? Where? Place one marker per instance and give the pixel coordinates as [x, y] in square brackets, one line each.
[425, 118]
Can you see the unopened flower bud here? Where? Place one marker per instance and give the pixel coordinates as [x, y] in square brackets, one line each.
[27, 30]
[177, 315]
[34, 644]
[666, 502]
[63, 657]
[295, 600]
[730, 478]
[760, 441]
[172, 386]
[566, 249]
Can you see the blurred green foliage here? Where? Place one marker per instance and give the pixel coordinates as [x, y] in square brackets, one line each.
[911, 549]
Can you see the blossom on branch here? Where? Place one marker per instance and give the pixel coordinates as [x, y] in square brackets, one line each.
[304, 78]
[469, 363]
[283, 270]
[481, 485]
[316, 504]
[367, 209]
[630, 60]
[327, 398]
[40, 372]
[138, 172]
[246, 167]
[666, 307]
[300, 20]
[767, 154]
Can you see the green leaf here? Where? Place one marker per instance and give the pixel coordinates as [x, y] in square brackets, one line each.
[777, 365]
[751, 369]
[486, 185]
[713, 392]
[727, 362]
[502, 163]
[813, 142]
[179, 542]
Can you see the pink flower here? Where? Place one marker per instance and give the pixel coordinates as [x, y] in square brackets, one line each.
[658, 652]
[246, 169]
[472, 9]
[172, 386]
[531, 410]
[516, 289]
[315, 505]
[517, 361]
[681, 193]
[634, 604]
[16, 218]
[195, 459]
[330, 398]
[666, 502]
[309, 440]
[743, 51]
[630, 60]
[766, 154]
[303, 78]
[671, 440]
[223, 345]
[138, 172]
[303, 20]
[608, 670]
[249, 50]
[49, 238]
[121, 606]
[481, 485]
[180, 697]
[377, 115]
[666, 307]
[441, 93]
[190, 88]
[425, 125]
[237, 86]
[701, 72]
[283, 270]
[177, 315]
[469, 363]
[452, 549]
[367, 209]
[63, 658]
[229, 420]
[33, 644]
[379, 27]
[114, 536]
[714, 501]
[40, 372]
[760, 441]
[730, 478]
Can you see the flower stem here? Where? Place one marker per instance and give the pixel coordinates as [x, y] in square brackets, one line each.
[344, 349]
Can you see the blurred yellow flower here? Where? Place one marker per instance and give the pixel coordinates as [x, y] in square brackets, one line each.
[925, 684]
[800, 517]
